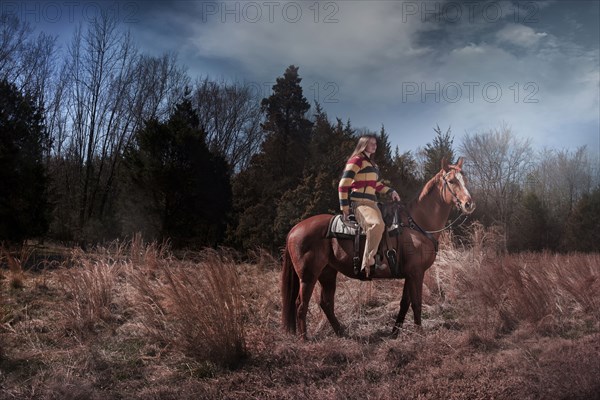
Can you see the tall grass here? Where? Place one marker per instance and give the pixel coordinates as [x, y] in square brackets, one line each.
[142, 323]
[554, 293]
[196, 307]
[191, 306]
[15, 261]
[90, 288]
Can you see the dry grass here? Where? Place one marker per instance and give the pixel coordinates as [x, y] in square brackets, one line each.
[90, 290]
[194, 306]
[133, 321]
[15, 261]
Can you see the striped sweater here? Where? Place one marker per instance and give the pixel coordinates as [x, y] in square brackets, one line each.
[360, 180]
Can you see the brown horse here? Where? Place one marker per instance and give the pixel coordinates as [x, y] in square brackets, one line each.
[310, 256]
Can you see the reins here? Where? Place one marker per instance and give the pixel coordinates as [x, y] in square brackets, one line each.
[412, 224]
[452, 223]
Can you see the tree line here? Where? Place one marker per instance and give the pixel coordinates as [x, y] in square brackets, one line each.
[105, 141]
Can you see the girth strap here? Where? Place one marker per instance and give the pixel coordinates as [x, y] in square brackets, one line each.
[356, 259]
[413, 225]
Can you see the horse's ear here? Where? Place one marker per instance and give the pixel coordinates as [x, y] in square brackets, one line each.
[459, 164]
[445, 164]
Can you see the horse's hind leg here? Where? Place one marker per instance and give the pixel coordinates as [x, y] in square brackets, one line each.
[306, 289]
[328, 284]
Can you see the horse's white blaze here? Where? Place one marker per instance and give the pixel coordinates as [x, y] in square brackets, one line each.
[462, 183]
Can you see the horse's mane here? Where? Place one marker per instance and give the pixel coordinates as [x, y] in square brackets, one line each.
[433, 181]
[424, 191]
[429, 185]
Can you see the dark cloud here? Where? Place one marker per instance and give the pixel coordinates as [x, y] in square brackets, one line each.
[408, 65]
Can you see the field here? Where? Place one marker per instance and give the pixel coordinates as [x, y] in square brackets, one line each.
[135, 321]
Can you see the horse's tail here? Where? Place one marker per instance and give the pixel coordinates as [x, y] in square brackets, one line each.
[290, 287]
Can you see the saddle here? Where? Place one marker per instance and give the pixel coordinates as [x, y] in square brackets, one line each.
[343, 230]
[350, 230]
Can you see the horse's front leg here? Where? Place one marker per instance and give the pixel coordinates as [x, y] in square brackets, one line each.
[416, 297]
[404, 305]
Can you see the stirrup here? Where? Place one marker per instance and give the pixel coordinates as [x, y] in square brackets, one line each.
[356, 264]
[391, 256]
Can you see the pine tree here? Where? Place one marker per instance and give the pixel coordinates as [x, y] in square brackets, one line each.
[188, 187]
[530, 226]
[24, 141]
[383, 155]
[278, 167]
[330, 147]
[436, 151]
[287, 129]
[403, 177]
[582, 232]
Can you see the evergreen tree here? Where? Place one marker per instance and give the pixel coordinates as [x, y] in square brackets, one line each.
[287, 130]
[188, 187]
[436, 151]
[330, 147]
[24, 141]
[530, 226]
[398, 171]
[278, 167]
[582, 232]
[383, 155]
[403, 177]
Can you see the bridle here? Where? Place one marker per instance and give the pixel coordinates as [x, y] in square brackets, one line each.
[456, 202]
[447, 186]
[413, 224]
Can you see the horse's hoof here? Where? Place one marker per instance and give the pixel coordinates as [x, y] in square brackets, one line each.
[342, 332]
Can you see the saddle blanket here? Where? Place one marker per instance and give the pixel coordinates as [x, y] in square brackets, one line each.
[347, 230]
[341, 230]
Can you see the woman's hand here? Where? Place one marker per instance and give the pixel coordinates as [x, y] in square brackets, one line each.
[395, 196]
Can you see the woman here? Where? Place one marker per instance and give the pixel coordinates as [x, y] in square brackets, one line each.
[360, 185]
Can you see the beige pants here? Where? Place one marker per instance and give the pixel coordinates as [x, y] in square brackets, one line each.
[369, 218]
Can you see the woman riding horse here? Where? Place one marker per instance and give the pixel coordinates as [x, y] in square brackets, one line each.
[311, 256]
[359, 186]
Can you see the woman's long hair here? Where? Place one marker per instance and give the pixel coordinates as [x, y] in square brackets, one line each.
[361, 146]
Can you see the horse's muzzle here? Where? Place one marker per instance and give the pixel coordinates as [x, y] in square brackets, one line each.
[468, 207]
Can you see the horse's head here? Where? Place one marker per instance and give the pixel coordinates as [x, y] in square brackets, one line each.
[455, 186]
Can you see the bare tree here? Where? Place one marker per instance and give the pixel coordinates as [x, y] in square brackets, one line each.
[14, 35]
[561, 178]
[107, 90]
[97, 69]
[230, 116]
[26, 60]
[498, 164]
[160, 85]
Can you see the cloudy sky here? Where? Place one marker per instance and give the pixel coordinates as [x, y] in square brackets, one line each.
[408, 65]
